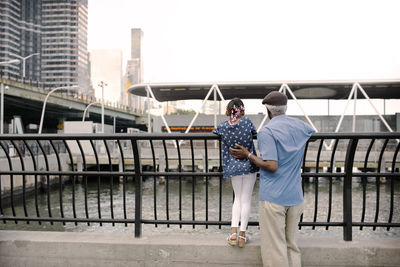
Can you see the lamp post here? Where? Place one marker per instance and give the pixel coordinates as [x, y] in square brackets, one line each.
[84, 112]
[9, 62]
[23, 61]
[44, 104]
[12, 61]
[102, 84]
[2, 109]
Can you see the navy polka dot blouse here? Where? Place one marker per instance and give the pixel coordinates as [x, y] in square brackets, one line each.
[240, 133]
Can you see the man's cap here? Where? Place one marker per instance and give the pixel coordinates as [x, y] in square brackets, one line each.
[275, 98]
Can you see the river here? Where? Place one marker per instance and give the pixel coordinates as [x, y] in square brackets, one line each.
[200, 206]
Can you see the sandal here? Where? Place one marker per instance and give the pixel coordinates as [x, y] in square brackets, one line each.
[232, 239]
[242, 240]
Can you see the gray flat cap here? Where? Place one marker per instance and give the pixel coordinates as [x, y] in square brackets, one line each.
[275, 98]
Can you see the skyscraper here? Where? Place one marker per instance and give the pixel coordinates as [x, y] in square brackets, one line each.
[136, 54]
[64, 43]
[55, 31]
[134, 70]
[20, 37]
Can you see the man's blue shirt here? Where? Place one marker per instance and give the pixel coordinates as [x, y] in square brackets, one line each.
[283, 139]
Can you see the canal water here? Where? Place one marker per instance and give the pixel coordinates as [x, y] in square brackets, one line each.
[199, 187]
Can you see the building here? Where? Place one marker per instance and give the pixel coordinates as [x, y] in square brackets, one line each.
[49, 37]
[134, 72]
[106, 66]
[20, 37]
[64, 43]
[137, 55]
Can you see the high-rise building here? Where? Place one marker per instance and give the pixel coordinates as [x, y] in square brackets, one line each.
[106, 66]
[49, 37]
[64, 43]
[137, 54]
[134, 71]
[20, 37]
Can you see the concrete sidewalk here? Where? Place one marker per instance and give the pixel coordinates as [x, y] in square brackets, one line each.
[22, 248]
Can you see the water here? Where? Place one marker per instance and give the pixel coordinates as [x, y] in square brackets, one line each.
[200, 207]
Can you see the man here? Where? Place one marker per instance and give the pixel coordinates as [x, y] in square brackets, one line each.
[281, 144]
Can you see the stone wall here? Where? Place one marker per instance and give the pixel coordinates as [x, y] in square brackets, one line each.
[21, 248]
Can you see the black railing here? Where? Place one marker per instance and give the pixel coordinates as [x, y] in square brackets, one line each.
[32, 163]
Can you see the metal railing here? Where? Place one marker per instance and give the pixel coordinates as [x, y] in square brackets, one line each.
[81, 160]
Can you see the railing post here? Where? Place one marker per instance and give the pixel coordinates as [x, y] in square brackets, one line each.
[347, 187]
[138, 189]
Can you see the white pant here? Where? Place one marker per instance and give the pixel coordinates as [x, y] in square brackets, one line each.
[243, 188]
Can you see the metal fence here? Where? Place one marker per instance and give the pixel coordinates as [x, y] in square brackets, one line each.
[31, 163]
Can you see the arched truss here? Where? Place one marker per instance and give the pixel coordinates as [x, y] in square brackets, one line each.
[214, 88]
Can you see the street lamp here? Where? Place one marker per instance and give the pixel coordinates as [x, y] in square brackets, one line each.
[2, 96]
[102, 84]
[23, 61]
[2, 108]
[12, 61]
[45, 100]
[84, 112]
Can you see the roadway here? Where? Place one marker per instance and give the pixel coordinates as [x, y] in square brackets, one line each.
[26, 100]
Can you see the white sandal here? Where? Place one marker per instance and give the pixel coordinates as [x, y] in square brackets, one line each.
[232, 241]
[242, 241]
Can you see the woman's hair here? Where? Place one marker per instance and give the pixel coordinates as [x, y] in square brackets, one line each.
[235, 109]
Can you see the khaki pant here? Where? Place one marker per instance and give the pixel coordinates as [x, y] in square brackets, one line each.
[278, 225]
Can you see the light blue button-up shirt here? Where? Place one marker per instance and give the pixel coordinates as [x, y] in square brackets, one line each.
[283, 139]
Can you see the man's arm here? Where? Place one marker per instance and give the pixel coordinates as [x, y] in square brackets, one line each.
[242, 153]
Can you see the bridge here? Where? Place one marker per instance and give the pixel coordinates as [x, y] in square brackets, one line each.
[24, 98]
[352, 90]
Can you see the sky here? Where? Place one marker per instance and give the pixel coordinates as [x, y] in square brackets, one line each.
[254, 40]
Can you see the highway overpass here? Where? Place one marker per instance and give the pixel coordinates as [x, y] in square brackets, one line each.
[25, 99]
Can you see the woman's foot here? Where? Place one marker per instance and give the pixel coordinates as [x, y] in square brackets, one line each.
[232, 239]
[242, 240]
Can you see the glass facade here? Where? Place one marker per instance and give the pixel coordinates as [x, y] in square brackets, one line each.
[10, 35]
[64, 44]
[57, 30]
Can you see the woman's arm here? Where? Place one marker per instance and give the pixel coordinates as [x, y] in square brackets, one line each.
[242, 153]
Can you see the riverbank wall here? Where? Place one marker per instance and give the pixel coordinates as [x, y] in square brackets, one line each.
[28, 164]
[23, 248]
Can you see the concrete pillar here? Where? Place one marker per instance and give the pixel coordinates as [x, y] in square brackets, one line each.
[79, 168]
[203, 159]
[383, 169]
[161, 168]
[120, 168]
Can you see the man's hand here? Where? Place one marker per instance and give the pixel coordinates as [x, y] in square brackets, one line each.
[240, 153]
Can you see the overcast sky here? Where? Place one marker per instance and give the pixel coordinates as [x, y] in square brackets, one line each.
[254, 40]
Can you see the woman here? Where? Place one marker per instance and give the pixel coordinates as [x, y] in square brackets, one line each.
[238, 130]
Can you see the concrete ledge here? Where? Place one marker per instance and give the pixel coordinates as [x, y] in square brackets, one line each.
[22, 248]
